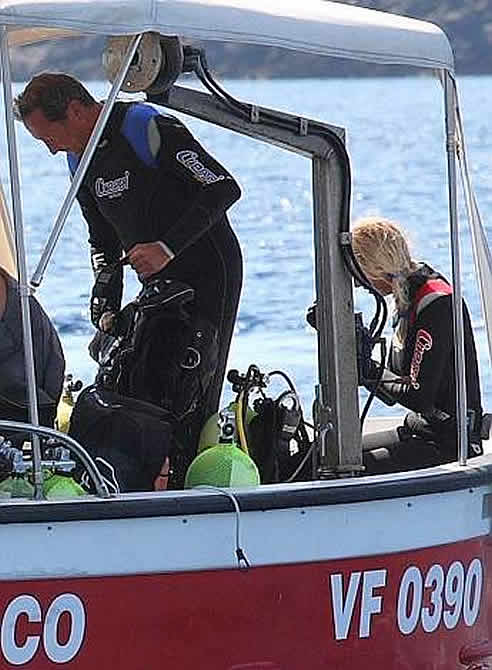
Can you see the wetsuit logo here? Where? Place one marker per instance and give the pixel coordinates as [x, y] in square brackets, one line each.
[113, 188]
[190, 160]
[423, 343]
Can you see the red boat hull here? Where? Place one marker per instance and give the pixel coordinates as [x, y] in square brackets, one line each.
[414, 609]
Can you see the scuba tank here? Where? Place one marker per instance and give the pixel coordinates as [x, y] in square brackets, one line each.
[58, 482]
[210, 433]
[17, 484]
[61, 485]
[224, 463]
[244, 415]
[66, 404]
[273, 432]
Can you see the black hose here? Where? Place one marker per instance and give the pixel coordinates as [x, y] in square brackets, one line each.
[238, 107]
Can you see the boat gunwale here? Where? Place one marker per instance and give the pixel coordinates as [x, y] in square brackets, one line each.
[262, 499]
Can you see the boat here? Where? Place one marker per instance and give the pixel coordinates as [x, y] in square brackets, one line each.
[342, 571]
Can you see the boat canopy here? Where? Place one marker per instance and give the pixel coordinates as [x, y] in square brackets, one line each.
[312, 26]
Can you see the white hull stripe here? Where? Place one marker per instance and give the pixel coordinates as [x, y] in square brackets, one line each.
[272, 537]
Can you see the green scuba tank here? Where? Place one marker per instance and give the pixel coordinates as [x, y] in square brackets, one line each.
[58, 481]
[223, 463]
[61, 485]
[17, 485]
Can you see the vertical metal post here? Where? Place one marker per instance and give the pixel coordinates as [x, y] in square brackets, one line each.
[336, 404]
[84, 164]
[459, 344]
[21, 260]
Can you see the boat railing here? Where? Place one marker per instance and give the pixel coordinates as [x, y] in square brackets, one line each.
[63, 439]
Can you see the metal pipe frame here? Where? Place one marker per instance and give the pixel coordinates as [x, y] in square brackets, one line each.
[83, 165]
[21, 260]
[336, 402]
[73, 445]
[458, 330]
[25, 289]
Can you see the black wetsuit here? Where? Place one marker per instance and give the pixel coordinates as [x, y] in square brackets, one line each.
[150, 180]
[426, 360]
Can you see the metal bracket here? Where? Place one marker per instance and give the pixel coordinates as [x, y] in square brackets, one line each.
[452, 144]
[303, 126]
[254, 114]
[346, 239]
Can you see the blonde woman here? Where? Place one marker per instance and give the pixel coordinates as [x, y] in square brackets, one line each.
[420, 374]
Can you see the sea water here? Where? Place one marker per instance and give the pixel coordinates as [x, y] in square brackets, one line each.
[395, 137]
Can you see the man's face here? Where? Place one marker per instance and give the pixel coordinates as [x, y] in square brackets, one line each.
[61, 135]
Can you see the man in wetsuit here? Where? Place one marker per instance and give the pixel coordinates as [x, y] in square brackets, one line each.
[151, 194]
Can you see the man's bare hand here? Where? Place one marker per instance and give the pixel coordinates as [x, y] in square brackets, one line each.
[107, 321]
[148, 258]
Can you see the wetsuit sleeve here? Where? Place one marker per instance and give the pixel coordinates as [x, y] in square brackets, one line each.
[104, 244]
[428, 359]
[105, 250]
[211, 198]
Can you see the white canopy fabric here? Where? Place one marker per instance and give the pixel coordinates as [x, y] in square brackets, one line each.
[313, 26]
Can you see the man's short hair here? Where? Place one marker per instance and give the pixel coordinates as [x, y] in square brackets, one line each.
[51, 92]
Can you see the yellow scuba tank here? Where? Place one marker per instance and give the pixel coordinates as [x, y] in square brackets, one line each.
[66, 404]
[210, 433]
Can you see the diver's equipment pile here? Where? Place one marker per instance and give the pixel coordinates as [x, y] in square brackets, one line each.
[254, 439]
[16, 471]
[262, 442]
[148, 406]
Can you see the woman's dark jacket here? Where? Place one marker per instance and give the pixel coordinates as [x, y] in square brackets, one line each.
[48, 357]
[427, 357]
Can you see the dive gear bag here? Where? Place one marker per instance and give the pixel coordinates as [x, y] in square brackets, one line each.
[165, 354]
[155, 370]
[128, 439]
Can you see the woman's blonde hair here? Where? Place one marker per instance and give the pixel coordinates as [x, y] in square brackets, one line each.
[382, 251]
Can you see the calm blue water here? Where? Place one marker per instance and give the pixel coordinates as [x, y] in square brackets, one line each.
[395, 138]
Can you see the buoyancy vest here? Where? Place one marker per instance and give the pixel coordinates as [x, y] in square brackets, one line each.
[426, 286]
